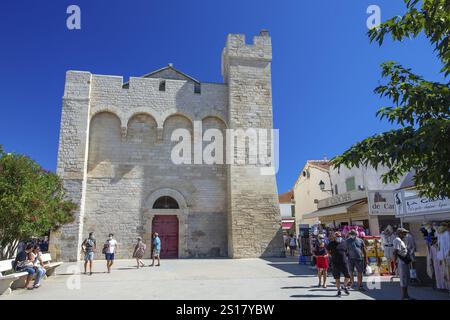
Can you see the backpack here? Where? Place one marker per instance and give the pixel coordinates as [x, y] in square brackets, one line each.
[88, 244]
[105, 247]
[17, 263]
[406, 259]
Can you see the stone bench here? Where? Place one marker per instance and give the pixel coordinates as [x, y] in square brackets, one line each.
[8, 276]
[49, 266]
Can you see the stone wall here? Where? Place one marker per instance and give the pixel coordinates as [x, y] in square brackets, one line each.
[115, 159]
[127, 165]
[254, 221]
[72, 160]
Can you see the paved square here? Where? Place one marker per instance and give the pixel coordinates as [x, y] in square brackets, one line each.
[243, 279]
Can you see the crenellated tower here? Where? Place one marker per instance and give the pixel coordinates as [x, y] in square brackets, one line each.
[254, 222]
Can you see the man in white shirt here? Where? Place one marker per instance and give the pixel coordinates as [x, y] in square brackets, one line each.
[402, 258]
[110, 248]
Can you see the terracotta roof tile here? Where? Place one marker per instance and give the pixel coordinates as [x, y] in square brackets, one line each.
[286, 197]
[324, 164]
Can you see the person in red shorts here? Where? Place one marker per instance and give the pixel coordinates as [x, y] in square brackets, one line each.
[321, 255]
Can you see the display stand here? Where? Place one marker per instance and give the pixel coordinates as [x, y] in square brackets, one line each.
[375, 255]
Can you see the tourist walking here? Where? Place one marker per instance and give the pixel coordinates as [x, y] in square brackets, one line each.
[139, 251]
[292, 245]
[321, 255]
[156, 249]
[109, 248]
[402, 259]
[88, 246]
[357, 257]
[338, 253]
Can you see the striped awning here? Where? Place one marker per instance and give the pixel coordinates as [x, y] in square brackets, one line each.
[287, 224]
[342, 209]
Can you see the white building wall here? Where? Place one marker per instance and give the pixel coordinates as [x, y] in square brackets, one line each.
[286, 210]
[307, 189]
[367, 177]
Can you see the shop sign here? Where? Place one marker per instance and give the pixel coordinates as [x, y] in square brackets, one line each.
[410, 204]
[341, 199]
[381, 202]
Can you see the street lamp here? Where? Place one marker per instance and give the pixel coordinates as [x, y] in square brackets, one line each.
[322, 187]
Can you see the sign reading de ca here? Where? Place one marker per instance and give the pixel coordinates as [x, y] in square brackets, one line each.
[381, 202]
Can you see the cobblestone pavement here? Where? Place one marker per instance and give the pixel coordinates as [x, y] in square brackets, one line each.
[279, 279]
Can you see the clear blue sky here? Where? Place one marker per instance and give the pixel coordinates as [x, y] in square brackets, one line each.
[324, 68]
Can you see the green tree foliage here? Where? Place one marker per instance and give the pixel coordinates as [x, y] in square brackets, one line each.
[31, 202]
[421, 108]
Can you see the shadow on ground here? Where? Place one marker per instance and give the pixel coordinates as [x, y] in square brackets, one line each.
[378, 288]
[290, 265]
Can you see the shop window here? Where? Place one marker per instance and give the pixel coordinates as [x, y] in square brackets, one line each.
[350, 184]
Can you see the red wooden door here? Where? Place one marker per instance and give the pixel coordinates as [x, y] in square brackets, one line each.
[167, 228]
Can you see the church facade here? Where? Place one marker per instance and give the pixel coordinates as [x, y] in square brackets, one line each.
[115, 160]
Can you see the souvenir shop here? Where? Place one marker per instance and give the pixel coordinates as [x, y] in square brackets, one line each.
[351, 211]
[378, 257]
[371, 215]
[429, 225]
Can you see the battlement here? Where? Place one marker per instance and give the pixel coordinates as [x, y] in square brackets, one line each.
[236, 49]
[260, 49]
[84, 85]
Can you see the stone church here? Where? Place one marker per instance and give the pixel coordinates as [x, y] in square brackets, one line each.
[114, 159]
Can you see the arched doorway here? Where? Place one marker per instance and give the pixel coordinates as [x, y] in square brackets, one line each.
[166, 212]
[166, 226]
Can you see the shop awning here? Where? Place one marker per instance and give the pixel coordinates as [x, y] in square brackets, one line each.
[287, 224]
[342, 209]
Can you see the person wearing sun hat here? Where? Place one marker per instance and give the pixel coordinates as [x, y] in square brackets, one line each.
[402, 258]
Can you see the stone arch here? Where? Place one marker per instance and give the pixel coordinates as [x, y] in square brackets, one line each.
[112, 110]
[166, 192]
[217, 117]
[166, 202]
[178, 114]
[171, 123]
[211, 140]
[104, 140]
[141, 128]
[182, 215]
[145, 110]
